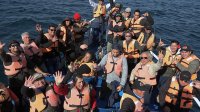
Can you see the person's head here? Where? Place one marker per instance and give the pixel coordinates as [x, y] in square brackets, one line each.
[88, 57]
[52, 30]
[116, 49]
[77, 17]
[186, 51]
[118, 17]
[148, 29]
[25, 37]
[39, 81]
[101, 2]
[174, 46]
[128, 36]
[140, 88]
[14, 47]
[4, 93]
[128, 12]
[145, 57]
[136, 14]
[78, 81]
[117, 7]
[184, 78]
[67, 22]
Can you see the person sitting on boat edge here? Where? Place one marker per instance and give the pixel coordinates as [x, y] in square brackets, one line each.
[79, 97]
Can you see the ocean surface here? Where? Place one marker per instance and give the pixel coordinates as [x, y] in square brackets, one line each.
[174, 19]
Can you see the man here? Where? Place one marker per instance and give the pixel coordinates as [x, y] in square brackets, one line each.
[127, 17]
[114, 11]
[116, 70]
[40, 94]
[133, 97]
[189, 61]
[79, 98]
[147, 38]
[48, 42]
[145, 71]
[138, 22]
[179, 97]
[131, 50]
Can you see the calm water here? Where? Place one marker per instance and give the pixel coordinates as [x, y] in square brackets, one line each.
[174, 19]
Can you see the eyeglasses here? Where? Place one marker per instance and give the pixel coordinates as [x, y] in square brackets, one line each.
[143, 57]
[14, 45]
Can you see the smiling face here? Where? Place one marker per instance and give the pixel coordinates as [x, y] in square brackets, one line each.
[136, 15]
[79, 83]
[174, 47]
[144, 59]
[26, 39]
[51, 31]
[115, 52]
[14, 48]
[185, 54]
[40, 83]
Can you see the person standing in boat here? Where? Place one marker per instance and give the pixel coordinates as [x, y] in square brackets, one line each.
[114, 11]
[127, 17]
[41, 95]
[139, 21]
[147, 38]
[48, 42]
[131, 50]
[116, 69]
[115, 31]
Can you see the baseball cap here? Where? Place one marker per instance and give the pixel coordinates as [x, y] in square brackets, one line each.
[185, 76]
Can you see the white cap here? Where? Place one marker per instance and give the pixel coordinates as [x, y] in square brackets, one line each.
[128, 9]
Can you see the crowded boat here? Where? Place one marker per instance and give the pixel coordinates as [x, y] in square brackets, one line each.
[111, 63]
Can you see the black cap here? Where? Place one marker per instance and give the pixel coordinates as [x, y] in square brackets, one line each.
[185, 76]
[186, 48]
[140, 86]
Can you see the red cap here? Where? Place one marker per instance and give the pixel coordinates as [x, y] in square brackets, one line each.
[77, 16]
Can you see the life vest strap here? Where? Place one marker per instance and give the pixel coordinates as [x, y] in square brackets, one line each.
[78, 105]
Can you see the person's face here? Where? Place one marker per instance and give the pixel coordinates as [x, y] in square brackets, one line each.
[128, 37]
[147, 31]
[185, 54]
[139, 92]
[183, 83]
[79, 83]
[174, 47]
[26, 39]
[67, 23]
[136, 15]
[118, 18]
[144, 58]
[14, 48]
[115, 52]
[52, 31]
[127, 14]
[77, 20]
[116, 9]
[40, 83]
[87, 57]
[100, 2]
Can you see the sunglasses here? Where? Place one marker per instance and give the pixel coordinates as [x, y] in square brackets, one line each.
[143, 57]
[14, 45]
[52, 29]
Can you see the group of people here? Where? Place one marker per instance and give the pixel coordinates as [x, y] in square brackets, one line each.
[86, 78]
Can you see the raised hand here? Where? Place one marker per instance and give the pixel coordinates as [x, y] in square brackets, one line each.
[58, 77]
[29, 81]
[2, 45]
[161, 43]
[196, 84]
[160, 55]
[38, 27]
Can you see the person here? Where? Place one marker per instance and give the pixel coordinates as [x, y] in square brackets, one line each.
[145, 71]
[116, 70]
[127, 17]
[179, 97]
[168, 69]
[7, 97]
[41, 95]
[116, 29]
[99, 14]
[116, 9]
[79, 98]
[188, 62]
[138, 22]
[78, 31]
[133, 97]
[147, 38]
[131, 50]
[48, 42]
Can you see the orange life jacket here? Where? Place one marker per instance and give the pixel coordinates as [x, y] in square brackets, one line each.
[17, 65]
[138, 103]
[150, 41]
[186, 62]
[91, 66]
[143, 75]
[99, 10]
[186, 95]
[114, 23]
[135, 24]
[31, 49]
[112, 65]
[78, 99]
[42, 100]
[54, 44]
[129, 50]
[127, 23]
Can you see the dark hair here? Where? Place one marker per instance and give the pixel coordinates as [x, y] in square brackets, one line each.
[136, 10]
[52, 25]
[67, 19]
[76, 76]
[13, 42]
[92, 58]
[175, 41]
